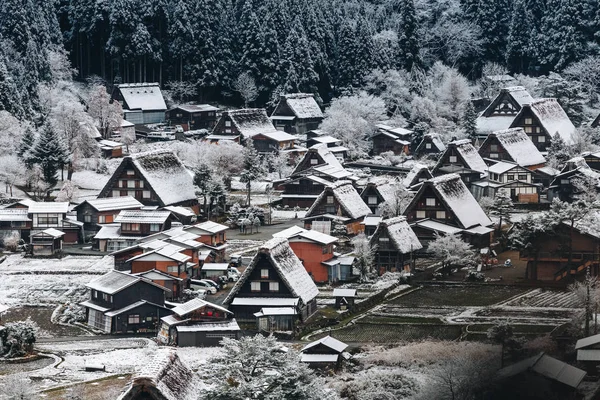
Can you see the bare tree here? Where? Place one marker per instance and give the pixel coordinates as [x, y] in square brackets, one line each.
[17, 388]
[365, 255]
[108, 115]
[245, 85]
[11, 171]
[395, 206]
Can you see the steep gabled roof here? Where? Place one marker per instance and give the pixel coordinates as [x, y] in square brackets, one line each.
[327, 160]
[290, 269]
[113, 203]
[143, 96]
[552, 117]
[400, 233]
[470, 155]
[164, 173]
[518, 94]
[250, 121]
[347, 197]
[518, 145]
[433, 138]
[413, 174]
[296, 231]
[303, 105]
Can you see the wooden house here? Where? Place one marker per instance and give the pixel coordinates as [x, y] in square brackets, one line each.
[503, 109]
[142, 103]
[320, 161]
[334, 145]
[338, 203]
[275, 278]
[302, 191]
[54, 215]
[121, 303]
[129, 226]
[444, 205]
[592, 159]
[512, 180]
[418, 174]
[570, 183]
[297, 113]
[197, 323]
[430, 145]
[543, 118]
[371, 222]
[588, 352]
[110, 148]
[512, 145]
[193, 116]
[212, 235]
[378, 192]
[344, 298]
[165, 377]
[171, 282]
[15, 220]
[326, 352]
[313, 249]
[462, 158]
[154, 178]
[544, 176]
[47, 242]
[395, 243]
[164, 257]
[539, 377]
[185, 215]
[273, 142]
[240, 125]
[387, 138]
[96, 212]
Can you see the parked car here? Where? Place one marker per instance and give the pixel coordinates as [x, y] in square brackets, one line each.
[233, 276]
[213, 283]
[199, 284]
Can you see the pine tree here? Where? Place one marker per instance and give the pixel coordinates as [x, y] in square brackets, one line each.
[558, 152]
[296, 56]
[347, 48]
[493, 18]
[408, 41]
[469, 121]
[253, 168]
[26, 147]
[519, 35]
[50, 153]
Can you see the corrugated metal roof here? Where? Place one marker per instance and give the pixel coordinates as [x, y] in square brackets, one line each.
[142, 216]
[230, 325]
[56, 207]
[588, 341]
[114, 203]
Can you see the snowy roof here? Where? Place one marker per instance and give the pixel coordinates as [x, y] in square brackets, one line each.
[55, 233]
[155, 275]
[192, 108]
[278, 136]
[194, 305]
[113, 203]
[109, 231]
[347, 197]
[395, 131]
[211, 227]
[501, 167]
[14, 214]
[518, 93]
[166, 175]
[319, 358]
[296, 231]
[494, 123]
[333, 171]
[167, 375]
[179, 210]
[289, 232]
[327, 341]
[518, 146]
[142, 216]
[287, 265]
[115, 281]
[400, 233]
[303, 105]
[325, 154]
[469, 154]
[552, 117]
[326, 139]
[94, 306]
[215, 267]
[109, 144]
[143, 96]
[438, 226]
[371, 220]
[548, 171]
[548, 367]
[265, 301]
[276, 311]
[222, 137]
[230, 325]
[344, 292]
[251, 121]
[588, 341]
[413, 173]
[51, 207]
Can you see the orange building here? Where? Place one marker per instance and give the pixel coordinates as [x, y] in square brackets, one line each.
[313, 249]
[212, 235]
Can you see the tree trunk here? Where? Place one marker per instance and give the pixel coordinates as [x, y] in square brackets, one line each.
[248, 185]
[70, 171]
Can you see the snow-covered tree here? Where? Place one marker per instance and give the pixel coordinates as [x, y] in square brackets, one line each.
[260, 368]
[26, 146]
[501, 207]
[11, 171]
[107, 115]
[67, 192]
[17, 338]
[245, 85]
[396, 206]
[452, 252]
[17, 388]
[587, 73]
[364, 254]
[558, 152]
[469, 121]
[588, 293]
[352, 119]
[203, 179]
[50, 153]
[253, 168]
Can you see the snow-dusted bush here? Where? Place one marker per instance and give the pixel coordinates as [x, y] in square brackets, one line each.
[17, 388]
[71, 313]
[10, 240]
[17, 338]
[378, 384]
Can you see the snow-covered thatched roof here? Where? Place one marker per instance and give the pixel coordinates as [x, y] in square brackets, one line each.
[400, 233]
[165, 174]
[143, 96]
[251, 121]
[303, 105]
[517, 97]
[165, 377]
[413, 174]
[348, 198]
[469, 154]
[518, 146]
[552, 117]
[461, 202]
[279, 254]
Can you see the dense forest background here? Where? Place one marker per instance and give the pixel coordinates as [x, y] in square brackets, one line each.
[328, 47]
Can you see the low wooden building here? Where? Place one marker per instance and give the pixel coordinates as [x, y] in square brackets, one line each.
[297, 113]
[193, 116]
[572, 181]
[242, 124]
[197, 323]
[274, 278]
[110, 148]
[387, 138]
[273, 142]
[94, 213]
[15, 220]
[503, 109]
[47, 242]
[326, 352]
[462, 158]
[142, 103]
[512, 145]
[378, 192]
[175, 285]
[338, 200]
[510, 179]
[302, 191]
[213, 235]
[418, 174]
[588, 353]
[395, 243]
[344, 298]
[46, 215]
[430, 145]
[129, 226]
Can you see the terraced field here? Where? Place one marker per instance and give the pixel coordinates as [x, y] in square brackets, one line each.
[456, 296]
[545, 298]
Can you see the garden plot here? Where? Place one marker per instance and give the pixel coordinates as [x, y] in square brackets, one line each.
[457, 296]
[545, 298]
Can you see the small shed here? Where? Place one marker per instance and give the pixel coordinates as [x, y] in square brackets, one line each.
[588, 352]
[207, 333]
[46, 242]
[213, 270]
[326, 352]
[344, 298]
[276, 319]
[111, 149]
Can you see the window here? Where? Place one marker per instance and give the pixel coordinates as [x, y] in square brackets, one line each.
[493, 147]
[101, 219]
[453, 159]
[430, 202]
[133, 319]
[116, 193]
[372, 200]
[325, 249]
[384, 239]
[329, 199]
[522, 177]
[173, 268]
[428, 146]
[564, 181]
[107, 297]
[440, 214]
[94, 294]
[146, 194]
[313, 161]
[45, 220]
[255, 286]
[510, 177]
[131, 227]
[541, 139]
[130, 172]
[87, 218]
[141, 184]
[264, 273]
[420, 214]
[154, 227]
[493, 155]
[227, 123]
[131, 193]
[528, 129]
[273, 286]
[528, 121]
